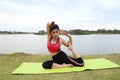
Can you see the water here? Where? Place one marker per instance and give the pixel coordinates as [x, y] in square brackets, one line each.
[36, 44]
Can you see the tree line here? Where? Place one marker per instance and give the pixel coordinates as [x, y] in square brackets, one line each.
[73, 32]
[99, 31]
[15, 32]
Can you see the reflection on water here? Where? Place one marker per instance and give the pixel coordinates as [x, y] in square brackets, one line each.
[36, 44]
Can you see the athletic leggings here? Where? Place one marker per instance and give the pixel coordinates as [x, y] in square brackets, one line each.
[61, 58]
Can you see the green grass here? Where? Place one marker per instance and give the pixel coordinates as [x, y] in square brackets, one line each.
[9, 62]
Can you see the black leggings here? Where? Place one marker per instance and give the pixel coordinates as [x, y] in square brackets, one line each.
[61, 58]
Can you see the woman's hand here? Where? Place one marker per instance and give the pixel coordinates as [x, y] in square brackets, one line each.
[50, 23]
[64, 32]
[68, 35]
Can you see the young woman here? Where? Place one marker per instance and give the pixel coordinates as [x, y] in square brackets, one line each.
[59, 58]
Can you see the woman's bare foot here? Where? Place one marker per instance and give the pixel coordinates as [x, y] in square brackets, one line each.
[67, 65]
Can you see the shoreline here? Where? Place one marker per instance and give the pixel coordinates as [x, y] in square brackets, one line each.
[49, 53]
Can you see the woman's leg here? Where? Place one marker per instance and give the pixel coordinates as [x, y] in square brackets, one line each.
[47, 64]
[52, 64]
[77, 57]
[56, 65]
[64, 58]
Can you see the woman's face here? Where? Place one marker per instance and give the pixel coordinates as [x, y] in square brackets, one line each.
[55, 33]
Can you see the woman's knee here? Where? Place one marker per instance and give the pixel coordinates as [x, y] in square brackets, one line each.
[47, 64]
[80, 61]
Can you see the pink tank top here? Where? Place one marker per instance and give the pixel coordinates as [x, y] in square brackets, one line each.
[53, 48]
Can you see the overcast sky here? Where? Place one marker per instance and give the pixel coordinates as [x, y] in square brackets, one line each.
[32, 15]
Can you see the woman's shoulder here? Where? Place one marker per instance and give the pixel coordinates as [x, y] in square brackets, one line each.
[62, 40]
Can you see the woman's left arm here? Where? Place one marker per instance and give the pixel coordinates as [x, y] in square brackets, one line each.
[64, 32]
[69, 42]
[70, 38]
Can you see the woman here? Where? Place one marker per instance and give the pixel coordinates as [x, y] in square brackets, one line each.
[60, 59]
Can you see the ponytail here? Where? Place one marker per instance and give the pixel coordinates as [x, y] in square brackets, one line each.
[53, 26]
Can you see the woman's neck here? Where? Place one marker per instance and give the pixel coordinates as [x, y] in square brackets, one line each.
[54, 38]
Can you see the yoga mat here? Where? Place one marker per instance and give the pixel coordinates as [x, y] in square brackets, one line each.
[92, 64]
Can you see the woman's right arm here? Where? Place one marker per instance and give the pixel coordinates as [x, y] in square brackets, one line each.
[48, 30]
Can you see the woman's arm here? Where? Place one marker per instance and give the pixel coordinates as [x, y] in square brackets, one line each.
[48, 30]
[64, 32]
[70, 38]
[69, 42]
[64, 42]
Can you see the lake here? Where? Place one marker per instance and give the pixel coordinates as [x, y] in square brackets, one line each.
[84, 44]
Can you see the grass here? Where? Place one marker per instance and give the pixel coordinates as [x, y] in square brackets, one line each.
[9, 62]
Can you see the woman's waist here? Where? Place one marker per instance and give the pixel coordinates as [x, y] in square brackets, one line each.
[55, 53]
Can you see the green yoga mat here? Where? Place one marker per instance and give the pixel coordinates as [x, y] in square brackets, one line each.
[36, 68]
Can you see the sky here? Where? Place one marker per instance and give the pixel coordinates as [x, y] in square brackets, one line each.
[32, 15]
